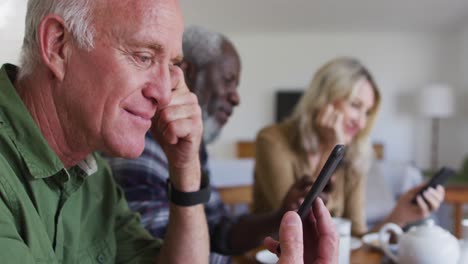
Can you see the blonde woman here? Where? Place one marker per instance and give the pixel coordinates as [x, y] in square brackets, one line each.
[339, 107]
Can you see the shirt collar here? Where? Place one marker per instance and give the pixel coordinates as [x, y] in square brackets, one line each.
[88, 165]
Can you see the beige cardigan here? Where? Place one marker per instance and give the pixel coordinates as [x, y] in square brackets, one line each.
[278, 166]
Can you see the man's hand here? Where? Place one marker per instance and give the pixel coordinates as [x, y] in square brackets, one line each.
[319, 238]
[178, 128]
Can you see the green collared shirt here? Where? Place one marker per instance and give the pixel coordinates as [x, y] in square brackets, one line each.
[50, 214]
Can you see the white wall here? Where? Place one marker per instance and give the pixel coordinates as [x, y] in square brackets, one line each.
[401, 63]
[454, 131]
[11, 29]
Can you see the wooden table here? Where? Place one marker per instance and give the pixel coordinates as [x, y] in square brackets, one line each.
[366, 255]
[363, 255]
[457, 195]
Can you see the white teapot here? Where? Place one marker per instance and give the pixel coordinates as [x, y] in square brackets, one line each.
[424, 244]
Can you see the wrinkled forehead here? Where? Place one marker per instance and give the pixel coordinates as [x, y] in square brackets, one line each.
[228, 61]
[131, 9]
[231, 56]
[147, 17]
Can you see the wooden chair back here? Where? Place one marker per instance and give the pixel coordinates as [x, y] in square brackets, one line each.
[235, 196]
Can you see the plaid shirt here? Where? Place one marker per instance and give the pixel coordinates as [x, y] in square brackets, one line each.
[144, 182]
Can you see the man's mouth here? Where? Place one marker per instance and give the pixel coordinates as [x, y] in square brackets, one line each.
[140, 118]
[141, 114]
[223, 116]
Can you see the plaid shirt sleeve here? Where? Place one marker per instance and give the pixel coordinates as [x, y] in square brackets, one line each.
[144, 182]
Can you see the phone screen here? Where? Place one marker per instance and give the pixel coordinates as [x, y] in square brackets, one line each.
[326, 172]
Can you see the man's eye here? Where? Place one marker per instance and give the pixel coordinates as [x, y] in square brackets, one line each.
[229, 79]
[144, 59]
[173, 66]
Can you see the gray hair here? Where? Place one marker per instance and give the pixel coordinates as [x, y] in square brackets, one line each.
[77, 18]
[201, 46]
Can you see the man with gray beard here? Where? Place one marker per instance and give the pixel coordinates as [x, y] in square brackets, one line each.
[212, 68]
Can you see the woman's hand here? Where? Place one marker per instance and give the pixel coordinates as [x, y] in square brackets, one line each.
[329, 122]
[405, 212]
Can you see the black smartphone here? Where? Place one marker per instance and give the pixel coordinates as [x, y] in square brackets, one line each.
[326, 172]
[439, 178]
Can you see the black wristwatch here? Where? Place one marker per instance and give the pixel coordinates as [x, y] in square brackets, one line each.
[189, 198]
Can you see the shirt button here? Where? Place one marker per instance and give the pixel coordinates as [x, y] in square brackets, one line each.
[100, 258]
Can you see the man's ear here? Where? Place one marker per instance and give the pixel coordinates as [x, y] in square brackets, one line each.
[190, 73]
[54, 40]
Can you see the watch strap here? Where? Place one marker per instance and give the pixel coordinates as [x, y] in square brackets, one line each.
[189, 198]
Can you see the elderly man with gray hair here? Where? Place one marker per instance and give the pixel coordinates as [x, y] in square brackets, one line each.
[212, 67]
[97, 76]
[93, 79]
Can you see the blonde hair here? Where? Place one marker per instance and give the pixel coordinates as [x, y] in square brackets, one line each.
[336, 80]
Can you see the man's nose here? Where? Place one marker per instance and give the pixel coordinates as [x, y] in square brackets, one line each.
[234, 97]
[160, 88]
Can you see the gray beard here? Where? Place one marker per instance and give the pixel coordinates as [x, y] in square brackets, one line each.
[211, 128]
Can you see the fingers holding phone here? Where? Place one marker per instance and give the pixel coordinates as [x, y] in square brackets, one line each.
[322, 180]
[320, 237]
[434, 197]
[413, 206]
[406, 211]
[430, 200]
[312, 240]
[439, 178]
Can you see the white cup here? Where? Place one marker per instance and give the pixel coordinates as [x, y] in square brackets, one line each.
[343, 228]
[464, 224]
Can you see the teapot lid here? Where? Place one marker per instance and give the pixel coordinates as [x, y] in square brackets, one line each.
[429, 229]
